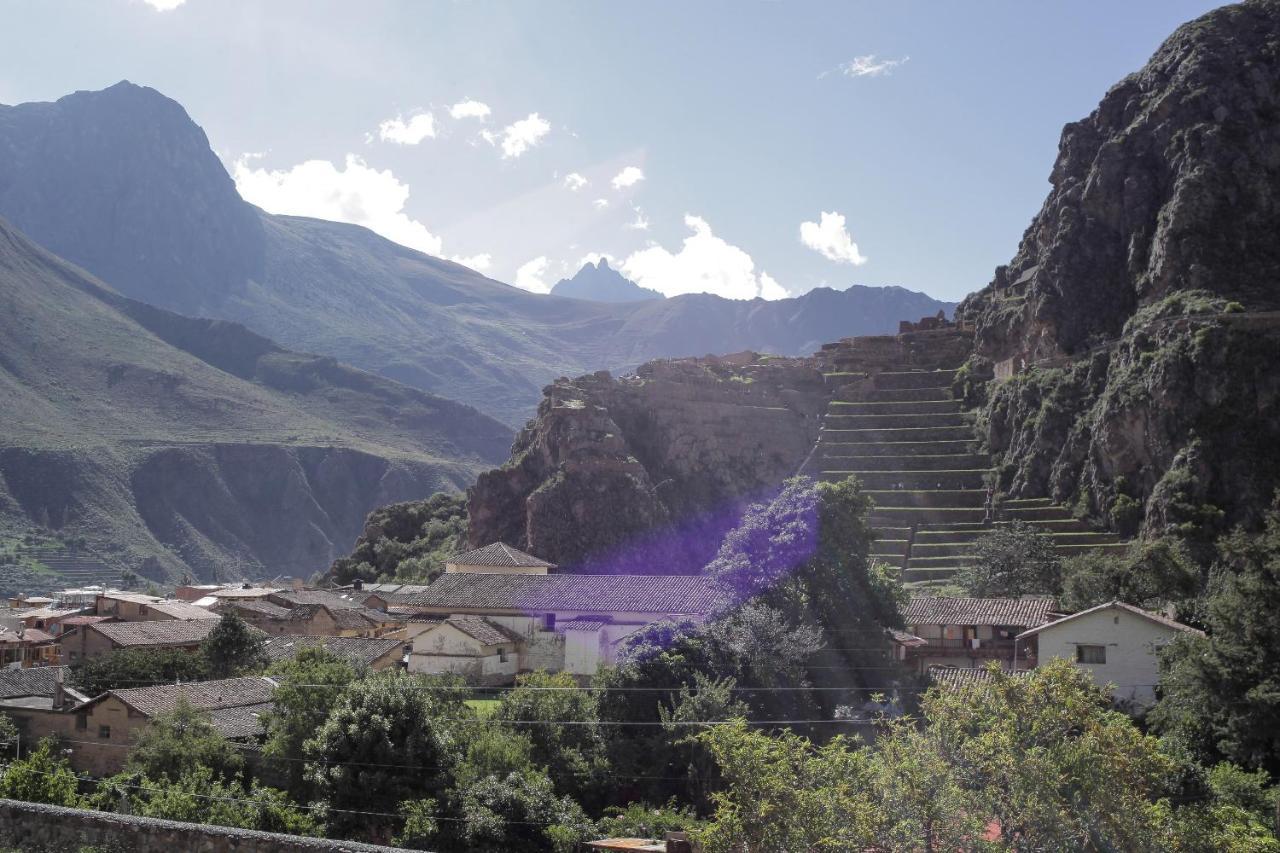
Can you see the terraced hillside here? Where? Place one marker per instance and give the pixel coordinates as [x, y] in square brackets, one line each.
[897, 426]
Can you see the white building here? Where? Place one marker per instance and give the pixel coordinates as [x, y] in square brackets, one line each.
[492, 626]
[1117, 643]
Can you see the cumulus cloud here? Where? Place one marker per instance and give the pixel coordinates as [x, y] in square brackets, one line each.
[469, 109]
[704, 264]
[575, 181]
[355, 193]
[829, 238]
[518, 137]
[641, 222]
[628, 177]
[164, 5]
[411, 132]
[531, 275]
[480, 262]
[867, 66]
[601, 203]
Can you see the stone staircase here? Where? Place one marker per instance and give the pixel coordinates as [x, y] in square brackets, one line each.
[903, 434]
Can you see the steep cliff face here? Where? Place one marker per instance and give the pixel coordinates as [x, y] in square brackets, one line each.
[1139, 299]
[661, 462]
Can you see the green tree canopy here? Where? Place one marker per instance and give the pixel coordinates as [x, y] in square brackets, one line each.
[233, 648]
[181, 741]
[125, 668]
[1011, 561]
[309, 686]
[44, 776]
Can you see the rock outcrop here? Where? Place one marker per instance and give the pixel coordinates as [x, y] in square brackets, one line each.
[645, 473]
[1135, 319]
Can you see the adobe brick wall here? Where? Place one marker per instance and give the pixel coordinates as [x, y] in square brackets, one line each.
[36, 827]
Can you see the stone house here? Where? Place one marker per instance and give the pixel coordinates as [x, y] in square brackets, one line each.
[311, 613]
[571, 623]
[26, 647]
[103, 637]
[968, 632]
[1117, 643]
[375, 653]
[100, 732]
[134, 607]
[501, 558]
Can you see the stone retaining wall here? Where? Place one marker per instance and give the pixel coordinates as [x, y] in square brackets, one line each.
[36, 827]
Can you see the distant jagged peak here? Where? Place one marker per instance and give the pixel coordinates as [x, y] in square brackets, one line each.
[602, 283]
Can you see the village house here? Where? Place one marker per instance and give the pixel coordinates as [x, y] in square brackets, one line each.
[98, 639]
[26, 647]
[570, 623]
[968, 632]
[315, 613]
[498, 557]
[374, 653]
[1117, 643]
[390, 598]
[100, 732]
[136, 607]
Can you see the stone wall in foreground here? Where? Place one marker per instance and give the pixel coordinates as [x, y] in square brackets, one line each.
[40, 828]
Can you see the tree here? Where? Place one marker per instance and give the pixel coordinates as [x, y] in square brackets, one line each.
[494, 751]
[1221, 693]
[181, 741]
[407, 541]
[559, 717]
[8, 735]
[708, 701]
[519, 812]
[391, 737]
[125, 668]
[1012, 561]
[233, 648]
[308, 687]
[1151, 575]
[44, 776]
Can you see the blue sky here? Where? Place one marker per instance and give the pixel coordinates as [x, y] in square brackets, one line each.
[690, 142]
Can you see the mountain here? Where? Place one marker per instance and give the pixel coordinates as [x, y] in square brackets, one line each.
[603, 283]
[170, 444]
[123, 183]
[1142, 298]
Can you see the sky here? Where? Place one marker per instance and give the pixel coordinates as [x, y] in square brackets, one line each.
[727, 146]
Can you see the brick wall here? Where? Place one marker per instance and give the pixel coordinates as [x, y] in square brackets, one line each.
[40, 828]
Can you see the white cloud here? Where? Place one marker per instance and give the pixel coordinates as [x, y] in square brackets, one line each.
[867, 66]
[704, 264]
[831, 239]
[640, 223]
[518, 137]
[601, 203]
[628, 177]
[575, 181]
[164, 5]
[480, 262]
[411, 132]
[530, 276]
[356, 193]
[469, 109]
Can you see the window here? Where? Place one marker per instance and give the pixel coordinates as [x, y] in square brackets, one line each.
[548, 622]
[104, 732]
[82, 722]
[502, 655]
[1091, 654]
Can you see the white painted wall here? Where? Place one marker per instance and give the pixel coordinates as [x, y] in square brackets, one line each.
[1131, 643]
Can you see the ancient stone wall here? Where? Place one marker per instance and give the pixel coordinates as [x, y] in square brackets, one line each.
[40, 828]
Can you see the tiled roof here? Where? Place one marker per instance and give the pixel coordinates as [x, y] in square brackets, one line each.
[361, 651]
[357, 619]
[500, 555]
[240, 592]
[955, 676]
[906, 638]
[312, 596]
[207, 695]
[1118, 605]
[241, 721]
[259, 606]
[131, 597]
[488, 633]
[182, 610]
[34, 681]
[673, 594]
[24, 635]
[73, 621]
[1018, 612]
[171, 632]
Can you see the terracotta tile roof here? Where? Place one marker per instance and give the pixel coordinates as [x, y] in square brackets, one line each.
[358, 619]
[241, 721]
[583, 624]
[1117, 605]
[674, 594]
[488, 633]
[131, 597]
[74, 621]
[906, 638]
[207, 695]
[171, 632]
[1018, 612]
[312, 596]
[500, 555]
[33, 681]
[241, 592]
[956, 676]
[360, 651]
[182, 610]
[256, 605]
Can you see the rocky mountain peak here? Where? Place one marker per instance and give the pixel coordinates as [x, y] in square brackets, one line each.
[602, 283]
